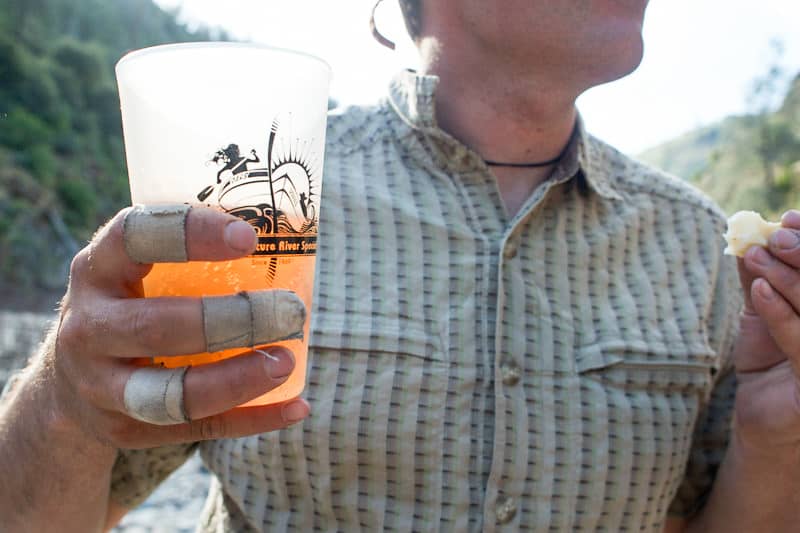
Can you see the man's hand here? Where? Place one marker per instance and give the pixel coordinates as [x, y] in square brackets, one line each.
[757, 487]
[65, 418]
[105, 324]
[767, 355]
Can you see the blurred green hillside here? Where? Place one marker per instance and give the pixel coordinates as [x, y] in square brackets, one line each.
[743, 162]
[62, 169]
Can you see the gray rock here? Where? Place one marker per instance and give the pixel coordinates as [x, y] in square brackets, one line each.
[175, 506]
[20, 334]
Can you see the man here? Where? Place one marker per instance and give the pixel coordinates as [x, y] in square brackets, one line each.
[515, 327]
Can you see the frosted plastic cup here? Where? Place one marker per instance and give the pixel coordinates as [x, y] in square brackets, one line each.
[241, 128]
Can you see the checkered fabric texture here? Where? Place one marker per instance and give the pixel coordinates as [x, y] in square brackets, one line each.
[564, 369]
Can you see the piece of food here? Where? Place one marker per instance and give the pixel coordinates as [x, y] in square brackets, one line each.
[746, 229]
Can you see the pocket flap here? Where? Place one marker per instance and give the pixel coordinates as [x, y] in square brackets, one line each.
[637, 353]
[373, 336]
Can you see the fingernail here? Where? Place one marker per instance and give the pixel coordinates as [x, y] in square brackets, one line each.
[784, 239]
[240, 236]
[791, 218]
[758, 255]
[280, 363]
[295, 411]
[765, 290]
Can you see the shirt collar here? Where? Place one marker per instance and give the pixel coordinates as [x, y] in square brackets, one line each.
[412, 96]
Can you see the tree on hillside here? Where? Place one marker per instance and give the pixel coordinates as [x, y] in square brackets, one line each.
[750, 161]
[777, 144]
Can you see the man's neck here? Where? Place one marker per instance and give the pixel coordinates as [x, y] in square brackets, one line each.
[506, 117]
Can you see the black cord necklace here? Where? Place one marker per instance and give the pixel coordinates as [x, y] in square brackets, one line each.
[525, 165]
[535, 164]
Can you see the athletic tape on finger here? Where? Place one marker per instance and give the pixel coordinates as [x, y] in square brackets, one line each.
[156, 234]
[155, 395]
[252, 318]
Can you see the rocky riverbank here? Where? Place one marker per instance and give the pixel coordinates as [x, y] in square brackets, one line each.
[175, 507]
[20, 333]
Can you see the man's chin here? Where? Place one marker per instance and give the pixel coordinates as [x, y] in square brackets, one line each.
[614, 65]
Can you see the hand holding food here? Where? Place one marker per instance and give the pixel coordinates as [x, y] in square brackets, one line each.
[767, 351]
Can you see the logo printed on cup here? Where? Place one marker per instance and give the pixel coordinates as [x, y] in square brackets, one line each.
[278, 196]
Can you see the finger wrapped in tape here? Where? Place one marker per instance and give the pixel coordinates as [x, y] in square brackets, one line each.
[156, 234]
[155, 395]
[252, 317]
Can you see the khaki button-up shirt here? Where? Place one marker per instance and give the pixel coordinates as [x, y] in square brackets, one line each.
[563, 369]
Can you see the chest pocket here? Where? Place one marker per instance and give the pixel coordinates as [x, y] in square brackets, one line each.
[379, 394]
[644, 400]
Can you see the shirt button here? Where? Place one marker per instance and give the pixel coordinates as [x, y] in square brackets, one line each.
[510, 374]
[506, 509]
[510, 251]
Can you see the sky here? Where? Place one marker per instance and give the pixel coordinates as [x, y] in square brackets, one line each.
[700, 59]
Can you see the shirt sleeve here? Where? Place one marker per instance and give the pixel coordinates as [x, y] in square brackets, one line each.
[712, 429]
[137, 473]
